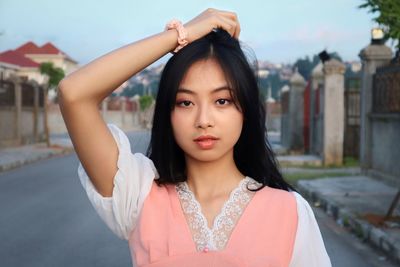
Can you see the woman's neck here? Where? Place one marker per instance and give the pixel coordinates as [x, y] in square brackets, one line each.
[214, 178]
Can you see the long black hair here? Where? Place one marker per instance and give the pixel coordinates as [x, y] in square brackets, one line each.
[253, 155]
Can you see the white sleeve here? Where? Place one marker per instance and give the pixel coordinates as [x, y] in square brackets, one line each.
[309, 249]
[132, 183]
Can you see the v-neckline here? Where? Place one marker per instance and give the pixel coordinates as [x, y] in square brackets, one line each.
[222, 209]
[208, 234]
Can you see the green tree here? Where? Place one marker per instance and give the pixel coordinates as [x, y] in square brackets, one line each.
[306, 65]
[55, 74]
[388, 18]
[145, 101]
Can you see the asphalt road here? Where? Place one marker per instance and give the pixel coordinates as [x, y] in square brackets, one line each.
[47, 220]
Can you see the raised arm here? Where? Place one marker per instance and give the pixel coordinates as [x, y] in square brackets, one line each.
[81, 92]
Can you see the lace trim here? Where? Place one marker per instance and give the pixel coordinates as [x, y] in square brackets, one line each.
[217, 237]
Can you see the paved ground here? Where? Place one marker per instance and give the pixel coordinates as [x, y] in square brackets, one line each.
[350, 199]
[31, 193]
[15, 157]
[344, 248]
[350, 171]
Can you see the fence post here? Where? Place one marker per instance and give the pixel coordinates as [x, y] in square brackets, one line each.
[18, 107]
[35, 87]
[296, 112]
[333, 112]
[284, 116]
[317, 79]
[372, 57]
[123, 110]
[104, 108]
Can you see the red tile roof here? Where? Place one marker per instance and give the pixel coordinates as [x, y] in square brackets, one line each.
[32, 48]
[16, 58]
[28, 48]
[49, 48]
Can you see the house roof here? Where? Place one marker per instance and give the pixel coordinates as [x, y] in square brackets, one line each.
[16, 58]
[48, 48]
[32, 48]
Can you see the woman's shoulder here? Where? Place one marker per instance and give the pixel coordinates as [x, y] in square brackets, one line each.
[274, 200]
[160, 194]
[289, 201]
[273, 193]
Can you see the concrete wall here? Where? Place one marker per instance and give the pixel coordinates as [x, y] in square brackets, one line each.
[385, 150]
[55, 121]
[379, 132]
[128, 121]
[20, 125]
[32, 74]
[7, 131]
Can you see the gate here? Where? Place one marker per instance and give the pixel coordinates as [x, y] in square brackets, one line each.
[351, 142]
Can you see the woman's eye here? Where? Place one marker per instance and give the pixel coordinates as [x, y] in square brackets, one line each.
[184, 103]
[223, 101]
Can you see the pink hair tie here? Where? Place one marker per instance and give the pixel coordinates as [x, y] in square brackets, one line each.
[182, 33]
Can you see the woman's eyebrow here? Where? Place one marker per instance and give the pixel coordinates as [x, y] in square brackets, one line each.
[187, 91]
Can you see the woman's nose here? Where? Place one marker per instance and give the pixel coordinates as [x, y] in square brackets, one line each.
[204, 117]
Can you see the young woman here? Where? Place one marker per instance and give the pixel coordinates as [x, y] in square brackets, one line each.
[209, 192]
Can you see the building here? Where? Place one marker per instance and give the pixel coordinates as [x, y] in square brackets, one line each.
[25, 61]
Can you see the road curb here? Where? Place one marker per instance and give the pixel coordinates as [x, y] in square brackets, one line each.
[364, 230]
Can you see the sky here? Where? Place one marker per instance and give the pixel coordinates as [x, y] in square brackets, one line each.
[277, 31]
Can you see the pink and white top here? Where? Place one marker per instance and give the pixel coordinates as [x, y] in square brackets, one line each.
[164, 225]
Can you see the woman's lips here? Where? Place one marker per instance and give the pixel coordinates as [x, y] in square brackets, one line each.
[206, 143]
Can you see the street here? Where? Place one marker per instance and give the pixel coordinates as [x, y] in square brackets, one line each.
[47, 220]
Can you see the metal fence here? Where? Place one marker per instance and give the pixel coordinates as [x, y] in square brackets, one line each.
[351, 144]
[386, 89]
[7, 94]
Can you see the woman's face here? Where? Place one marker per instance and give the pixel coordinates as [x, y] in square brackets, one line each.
[205, 109]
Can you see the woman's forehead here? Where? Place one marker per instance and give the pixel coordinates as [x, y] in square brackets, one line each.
[213, 91]
[205, 76]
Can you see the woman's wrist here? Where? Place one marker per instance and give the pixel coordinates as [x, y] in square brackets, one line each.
[182, 34]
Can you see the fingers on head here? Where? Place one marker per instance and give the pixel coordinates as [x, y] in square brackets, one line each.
[237, 31]
[230, 18]
[231, 27]
[226, 20]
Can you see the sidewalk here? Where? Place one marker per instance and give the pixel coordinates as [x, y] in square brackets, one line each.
[352, 199]
[349, 199]
[15, 157]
